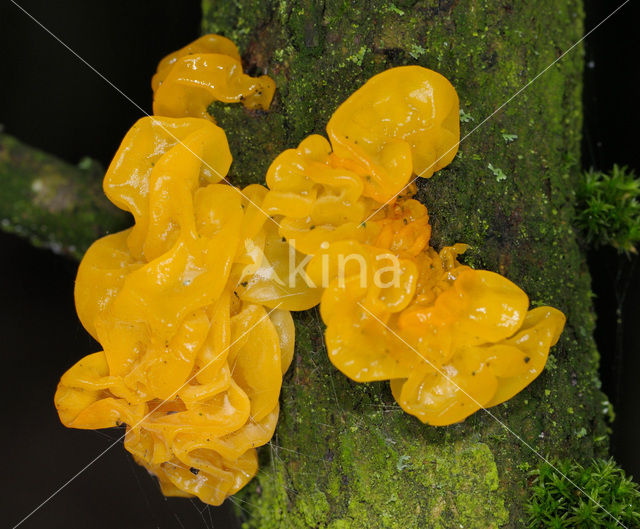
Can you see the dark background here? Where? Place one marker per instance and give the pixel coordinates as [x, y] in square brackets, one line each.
[49, 99]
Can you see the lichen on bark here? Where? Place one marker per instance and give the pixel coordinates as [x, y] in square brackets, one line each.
[344, 455]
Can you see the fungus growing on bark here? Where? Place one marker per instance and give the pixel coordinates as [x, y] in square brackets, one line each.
[209, 69]
[191, 368]
[450, 339]
[191, 304]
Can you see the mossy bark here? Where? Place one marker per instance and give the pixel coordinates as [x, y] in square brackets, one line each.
[52, 203]
[344, 455]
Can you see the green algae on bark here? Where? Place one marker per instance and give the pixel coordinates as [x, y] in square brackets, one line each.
[344, 455]
[52, 203]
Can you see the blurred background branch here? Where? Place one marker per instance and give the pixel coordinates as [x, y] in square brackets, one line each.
[52, 203]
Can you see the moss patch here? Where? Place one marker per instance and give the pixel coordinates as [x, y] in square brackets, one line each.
[556, 501]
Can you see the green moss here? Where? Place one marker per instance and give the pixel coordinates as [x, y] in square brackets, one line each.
[236, 20]
[348, 445]
[564, 495]
[608, 209]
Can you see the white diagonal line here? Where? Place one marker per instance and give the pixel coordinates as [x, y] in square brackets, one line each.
[117, 441]
[455, 146]
[155, 121]
[449, 379]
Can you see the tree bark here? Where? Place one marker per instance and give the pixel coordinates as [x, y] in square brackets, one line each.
[344, 454]
[52, 203]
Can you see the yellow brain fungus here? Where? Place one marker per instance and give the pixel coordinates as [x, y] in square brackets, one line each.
[401, 122]
[191, 305]
[192, 368]
[209, 69]
[210, 43]
[450, 339]
[315, 198]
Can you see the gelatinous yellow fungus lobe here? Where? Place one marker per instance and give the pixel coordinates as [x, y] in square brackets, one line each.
[519, 359]
[268, 271]
[316, 199]
[207, 70]
[110, 260]
[132, 174]
[189, 364]
[401, 122]
[404, 228]
[450, 339]
[210, 43]
[276, 278]
[480, 307]
[479, 376]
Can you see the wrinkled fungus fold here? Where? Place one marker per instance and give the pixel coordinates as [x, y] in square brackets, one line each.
[191, 367]
[209, 69]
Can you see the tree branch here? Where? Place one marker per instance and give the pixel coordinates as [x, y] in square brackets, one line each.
[52, 203]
